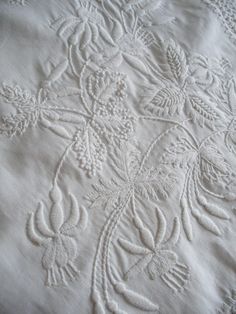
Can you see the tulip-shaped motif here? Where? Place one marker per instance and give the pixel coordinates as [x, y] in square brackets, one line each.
[156, 256]
[57, 236]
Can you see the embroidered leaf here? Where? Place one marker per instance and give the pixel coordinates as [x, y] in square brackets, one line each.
[86, 37]
[58, 71]
[179, 153]
[201, 111]
[95, 33]
[167, 101]
[133, 160]
[90, 151]
[112, 120]
[117, 30]
[105, 194]
[63, 92]
[114, 123]
[83, 218]
[136, 64]
[17, 124]
[41, 223]
[65, 25]
[174, 237]
[30, 229]
[74, 216]
[106, 36]
[104, 84]
[156, 183]
[208, 224]
[136, 299]
[161, 230]
[212, 209]
[213, 164]
[177, 62]
[120, 159]
[145, 234]
[59, 130]
[132, 248]
[17, 96]
[186, 220]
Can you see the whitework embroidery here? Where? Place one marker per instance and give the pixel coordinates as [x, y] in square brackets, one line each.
[229, 304]
[58, 237]
[156, 256]
[186, 91]
[225, 11]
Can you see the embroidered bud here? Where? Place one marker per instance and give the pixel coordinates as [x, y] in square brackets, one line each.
[95, 297]
[113, 307]
[55, 194]
[230, 196]
[45, 122]
[73, 39]
[120, 288]
[202, 200]
[138, 223]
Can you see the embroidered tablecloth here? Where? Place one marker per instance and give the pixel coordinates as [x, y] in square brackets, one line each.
[117, 156]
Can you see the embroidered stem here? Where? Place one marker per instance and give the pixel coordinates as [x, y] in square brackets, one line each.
[64, 109]
[61, 161]
[190, 170]
[211, 135]
[80, 77]
[109, 230]
[174, 122]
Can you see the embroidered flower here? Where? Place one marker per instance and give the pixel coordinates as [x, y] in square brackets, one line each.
[130, 42]
[156, 258]
[206, 174]
[58, 237]
[135, 42]
[150, 12]
[83, 27]
[207, 72]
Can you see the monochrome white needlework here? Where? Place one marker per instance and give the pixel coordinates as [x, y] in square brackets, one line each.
[118, 156]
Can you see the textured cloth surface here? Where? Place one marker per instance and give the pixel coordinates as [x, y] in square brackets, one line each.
[117, 156]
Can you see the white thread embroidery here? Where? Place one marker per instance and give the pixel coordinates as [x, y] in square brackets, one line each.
[229, 305]
[105, 120]
[101, 36]
[58, 238]
[157, 258]
[225, 10]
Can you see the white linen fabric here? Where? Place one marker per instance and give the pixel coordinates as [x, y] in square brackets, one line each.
[117, 156]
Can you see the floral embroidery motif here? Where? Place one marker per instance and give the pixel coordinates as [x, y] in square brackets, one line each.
[100, 36]
[58, 239]
[156, 257]
[86, 24]
[229, 305]
[202, 164]
[225, 10]
[105, 120]
[147, 10]
[180, 89]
